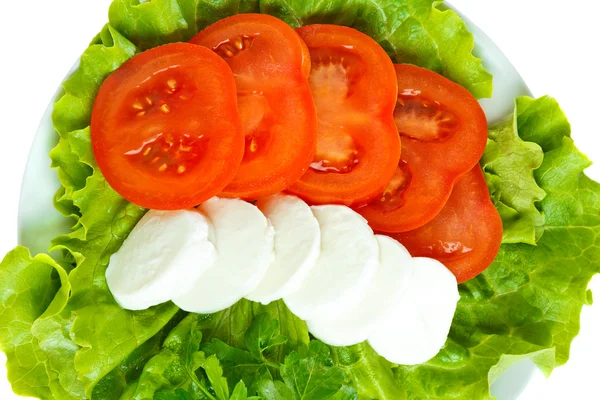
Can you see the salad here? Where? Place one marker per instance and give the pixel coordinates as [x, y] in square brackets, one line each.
[335, 216]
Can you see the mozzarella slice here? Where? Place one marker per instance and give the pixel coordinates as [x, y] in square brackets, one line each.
[348, 261]
[166, 253]
[244, 242]
[418, 325]
[390, 282]
[297, 247]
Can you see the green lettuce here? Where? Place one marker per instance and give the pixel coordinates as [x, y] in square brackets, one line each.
[72, 341]
[73, 111]
[30, 289]
[508, 165]
[412, 31]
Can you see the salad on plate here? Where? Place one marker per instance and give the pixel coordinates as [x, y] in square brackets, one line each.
[298, 200]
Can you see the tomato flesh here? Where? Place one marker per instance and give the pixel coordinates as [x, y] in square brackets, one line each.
[271, 65]
[353, 85]
[466, 235]
[165, 128]
[444, 134]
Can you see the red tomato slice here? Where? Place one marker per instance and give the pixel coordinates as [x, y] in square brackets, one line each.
[165, 128]
[271, 65]
[466, 235]
[444, 134]
[354, 88]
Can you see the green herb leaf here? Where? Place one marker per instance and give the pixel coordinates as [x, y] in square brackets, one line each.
[274, 390]
[240, 392]
[251, 365]
[176, 364]
[262, 335]
[214, 372]
[239, 365]
[312, 375]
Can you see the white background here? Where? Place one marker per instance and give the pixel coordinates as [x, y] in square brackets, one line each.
[554, 45]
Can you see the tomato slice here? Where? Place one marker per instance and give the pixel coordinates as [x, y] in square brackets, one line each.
[165, 129]
[444, 134]
[466, 235]
[354, 88]
[271, 66]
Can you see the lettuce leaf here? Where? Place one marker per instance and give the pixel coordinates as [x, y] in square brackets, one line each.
[128, 372]
[73, 110]
[31, 290]
[508, 165]
[412, 31]
[368, 373]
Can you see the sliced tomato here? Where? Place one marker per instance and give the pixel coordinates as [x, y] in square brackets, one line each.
[271, 65]
[354, 88]
[466, 235]
[165, 129]
[444, 134]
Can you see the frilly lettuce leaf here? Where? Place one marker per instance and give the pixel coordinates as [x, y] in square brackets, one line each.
[412, 31]
[542, 121]
[73, 111]
[31, 290]
[508, 164]
[368, 373]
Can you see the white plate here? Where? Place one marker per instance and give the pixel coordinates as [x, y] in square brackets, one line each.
[39, 221]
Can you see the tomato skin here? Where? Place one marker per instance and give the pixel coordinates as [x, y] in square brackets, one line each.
[165, 128]
[466, 235]
[435, 162]
[271, 65]
[354, 87]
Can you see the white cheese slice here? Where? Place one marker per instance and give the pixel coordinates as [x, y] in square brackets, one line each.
[244, 241]
[348, 261]
[165, 254]
[389, 284]
[418, 325]
[297, 247]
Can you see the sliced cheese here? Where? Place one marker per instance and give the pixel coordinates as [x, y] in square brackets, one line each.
[297, 247]
[417, 327]
[165, 254]
[348, 262]
[390, 283]
[243, 238]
